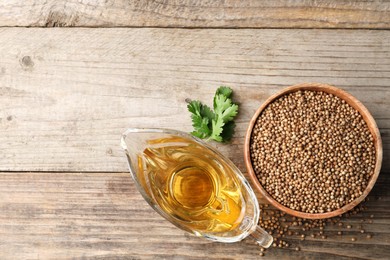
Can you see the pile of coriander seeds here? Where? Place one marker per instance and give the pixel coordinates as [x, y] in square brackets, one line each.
[312, 152]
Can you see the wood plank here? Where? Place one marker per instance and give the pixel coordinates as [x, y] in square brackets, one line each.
[189, 13]
[67, 94]
[102, 215]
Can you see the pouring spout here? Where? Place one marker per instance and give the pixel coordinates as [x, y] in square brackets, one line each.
[133, 139]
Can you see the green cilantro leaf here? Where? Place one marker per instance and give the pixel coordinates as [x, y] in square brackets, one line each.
[215, 125]
[205, 111]
[226, 91]
[201, 126]
[201, 119]
[228, 131]
[224, 108]
[194, 107]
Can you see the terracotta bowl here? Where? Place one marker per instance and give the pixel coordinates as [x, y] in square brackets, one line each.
[356, 104]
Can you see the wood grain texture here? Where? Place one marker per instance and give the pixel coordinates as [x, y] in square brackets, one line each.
[102, 215]
[66, 95]
[192, 13]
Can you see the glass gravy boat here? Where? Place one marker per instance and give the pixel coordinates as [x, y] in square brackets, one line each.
[192, 185]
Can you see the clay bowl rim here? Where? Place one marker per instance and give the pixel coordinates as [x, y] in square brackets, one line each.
[356, 104]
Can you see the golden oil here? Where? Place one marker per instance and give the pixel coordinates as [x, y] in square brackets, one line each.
[192, 185]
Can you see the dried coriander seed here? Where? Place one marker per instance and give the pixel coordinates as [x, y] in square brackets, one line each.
[312, 151]
[317, 227]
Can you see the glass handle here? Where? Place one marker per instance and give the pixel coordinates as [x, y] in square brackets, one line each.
[262, 237]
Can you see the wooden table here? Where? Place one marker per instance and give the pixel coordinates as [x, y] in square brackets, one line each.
[67, 94]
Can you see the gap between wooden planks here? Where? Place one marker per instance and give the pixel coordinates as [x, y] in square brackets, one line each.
[46, 215]
[205, 14]
[67, 94]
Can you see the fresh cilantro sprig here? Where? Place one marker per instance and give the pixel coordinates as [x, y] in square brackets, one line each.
[215, 125]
